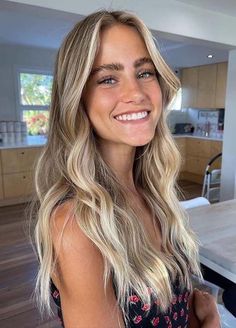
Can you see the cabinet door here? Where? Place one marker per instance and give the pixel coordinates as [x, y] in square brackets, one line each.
[181, 144]
[19, 159]
[189, 87]
[18, 185]
[206, 86]
[199, 148]
[216, 147]
[221, 85]
[196, 165]
[1, 187]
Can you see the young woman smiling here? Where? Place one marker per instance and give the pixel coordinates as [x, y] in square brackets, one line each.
[114, 244]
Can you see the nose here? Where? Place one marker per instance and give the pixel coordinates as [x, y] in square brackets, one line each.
[133, 92]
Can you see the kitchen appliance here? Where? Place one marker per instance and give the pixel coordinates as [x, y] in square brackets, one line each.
[183, 128]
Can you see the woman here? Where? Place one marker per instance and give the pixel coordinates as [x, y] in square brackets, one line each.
[113, 242]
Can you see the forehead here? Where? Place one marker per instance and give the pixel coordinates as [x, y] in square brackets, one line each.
[120, 41]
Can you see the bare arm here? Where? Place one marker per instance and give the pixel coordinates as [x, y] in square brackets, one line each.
[80, 280]
[203, 311]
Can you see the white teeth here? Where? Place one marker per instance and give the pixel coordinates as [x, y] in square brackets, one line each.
[133, 116]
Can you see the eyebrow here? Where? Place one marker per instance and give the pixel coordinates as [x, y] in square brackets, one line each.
[119, 67]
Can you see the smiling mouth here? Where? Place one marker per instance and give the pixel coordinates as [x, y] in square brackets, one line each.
[132, 116]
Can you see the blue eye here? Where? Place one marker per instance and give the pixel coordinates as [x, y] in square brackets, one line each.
[108, 80]
[145, 75]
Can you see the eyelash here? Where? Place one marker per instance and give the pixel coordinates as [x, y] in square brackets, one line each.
[106, 79]
[111, 79]
[147, 72]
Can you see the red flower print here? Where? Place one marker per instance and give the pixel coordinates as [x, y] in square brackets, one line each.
[180, 298]
[167, 319]
[170, 325]
[55, 294]
[174, 299]
[155, 321]
[146, 307]
[137, 319]
[186, 297]
[134, 298]
[182, 312]
[175, 316]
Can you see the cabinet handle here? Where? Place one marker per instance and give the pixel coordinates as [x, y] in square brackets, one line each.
[24, 176]
[22, 153]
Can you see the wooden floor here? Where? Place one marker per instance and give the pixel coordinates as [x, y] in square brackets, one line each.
[190, 189]
[18, 267]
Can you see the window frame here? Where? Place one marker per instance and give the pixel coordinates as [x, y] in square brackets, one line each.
[21, 107]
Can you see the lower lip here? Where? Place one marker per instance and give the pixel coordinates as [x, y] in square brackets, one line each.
[142, 120]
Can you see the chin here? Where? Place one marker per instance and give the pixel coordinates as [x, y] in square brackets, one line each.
[142, 141]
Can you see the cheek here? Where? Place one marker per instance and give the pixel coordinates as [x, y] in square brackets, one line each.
[100, 104]
[156, 96]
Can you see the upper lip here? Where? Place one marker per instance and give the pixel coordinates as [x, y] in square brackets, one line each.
[133, 112]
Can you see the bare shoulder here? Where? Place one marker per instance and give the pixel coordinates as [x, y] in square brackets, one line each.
[80, 275]
[71, 245]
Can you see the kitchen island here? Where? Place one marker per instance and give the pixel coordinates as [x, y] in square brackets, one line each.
[215, 226]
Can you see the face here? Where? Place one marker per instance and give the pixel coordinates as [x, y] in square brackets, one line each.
[122, 97]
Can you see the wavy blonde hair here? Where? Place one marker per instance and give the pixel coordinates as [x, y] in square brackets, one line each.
[71, 167]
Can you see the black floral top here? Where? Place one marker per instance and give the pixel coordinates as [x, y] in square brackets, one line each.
[143, 316]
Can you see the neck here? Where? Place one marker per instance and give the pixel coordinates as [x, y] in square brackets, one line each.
[121, 160]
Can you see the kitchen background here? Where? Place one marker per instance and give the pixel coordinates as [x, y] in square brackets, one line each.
[29, 37]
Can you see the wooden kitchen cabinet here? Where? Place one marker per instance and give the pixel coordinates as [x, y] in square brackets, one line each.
[17, 185]
[17, 167]
[196, 165]
[181, 144]
[221, 85]
[19, 159]
[189, 87]
[1, 188]
[198, 147]
[198, 153]
[206, 86]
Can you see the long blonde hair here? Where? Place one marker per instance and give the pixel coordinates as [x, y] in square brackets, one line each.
[71, 167]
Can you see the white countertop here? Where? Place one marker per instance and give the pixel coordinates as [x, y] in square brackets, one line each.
[215, 226]
[196, 137]
[31, 141]
[40, 141]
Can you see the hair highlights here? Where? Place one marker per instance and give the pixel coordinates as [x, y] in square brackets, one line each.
[71, 167]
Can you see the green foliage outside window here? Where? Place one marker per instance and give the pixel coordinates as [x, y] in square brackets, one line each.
[35, 90]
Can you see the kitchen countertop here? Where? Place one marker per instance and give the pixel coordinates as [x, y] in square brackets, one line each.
[31, 141]
[40, 141]
[196, 137]
[215, 226]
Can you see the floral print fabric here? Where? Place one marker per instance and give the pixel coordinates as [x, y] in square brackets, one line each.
[143, 316]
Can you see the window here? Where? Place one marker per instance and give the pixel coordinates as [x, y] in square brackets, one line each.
[177, 101]
[34, 100]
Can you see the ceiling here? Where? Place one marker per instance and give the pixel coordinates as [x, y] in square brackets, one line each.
[225, 7]
[41, 27]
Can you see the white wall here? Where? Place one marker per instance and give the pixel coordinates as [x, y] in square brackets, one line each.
[229, 145]
[11, 58]
[162, 15]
